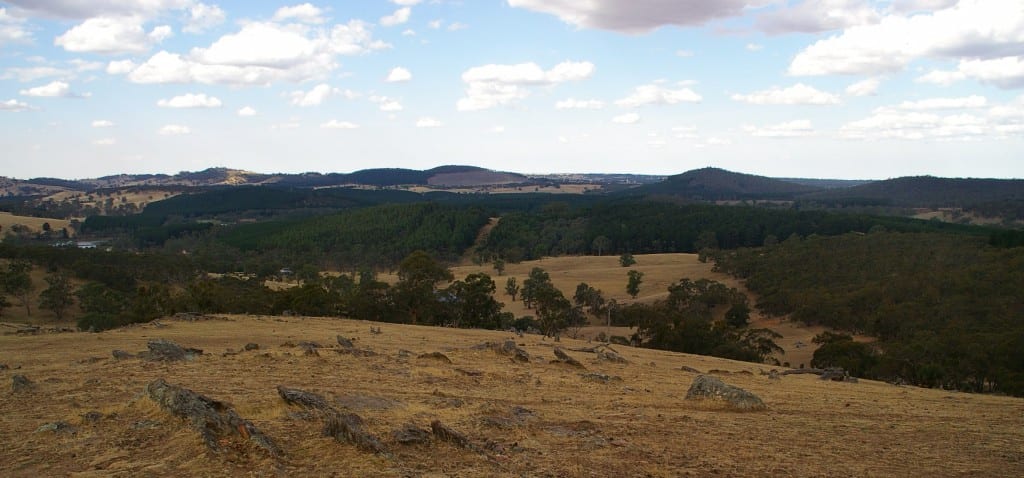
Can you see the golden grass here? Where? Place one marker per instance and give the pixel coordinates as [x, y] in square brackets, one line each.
[35, 224]
[639, 426]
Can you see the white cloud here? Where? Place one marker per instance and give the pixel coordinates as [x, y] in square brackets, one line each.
[120, 67]
[406, 3]
[335, 124]
[868, 87]
[428, 122]
[12, 29]
[102, 124]
[261, 54]
[105, 142]
[798, 94]
[202, 17]
[111, 35]
[940, 77]
[456, 26]
[628, 118]
[980, 30]
[14, 105]
[287, 125]
[304, 13]
[888, 123]
[408, 32]
[754, 47]
[789, 129]
[386, 104]
[53, 89]
[973, 101]
[247, 111]
[175, 130]
[574, 104]
[398, 75]
[912, 6]
[435, 24]
[637, 16]
[1007, 72]
[313, 97]
[495, 85]
[813, 16]
[33, 73]
[685, 132]
[399, 17]
[191, 101]
[655, 94]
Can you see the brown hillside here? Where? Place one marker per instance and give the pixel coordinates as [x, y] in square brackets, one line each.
[520, 419]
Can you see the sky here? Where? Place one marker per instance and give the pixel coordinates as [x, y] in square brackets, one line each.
[854, 89]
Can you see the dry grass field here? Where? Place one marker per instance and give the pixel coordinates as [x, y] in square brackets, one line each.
[35, 224]
[521, 419]
[138, 197]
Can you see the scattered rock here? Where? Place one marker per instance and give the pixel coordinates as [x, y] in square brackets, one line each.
[375, 331]
[445, 433]
[4, 366]
[57, 427]
[440, 357]
[403, 354]
[774, 374]
[21, 383]
[719, 372]
[690, 370]
[346, 343]
[705, 387]
[343, 427]
[508, 348]
[251, 346]
[600, 377]
[609, 355]
[834, 374]
[122, 355]
[162, 350]
[410, 434]
[563, 357]
[92, 417]
[213, 419]
[470, 373]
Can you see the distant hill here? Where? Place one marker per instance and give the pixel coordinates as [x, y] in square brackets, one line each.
[713, 184]
[926, 191]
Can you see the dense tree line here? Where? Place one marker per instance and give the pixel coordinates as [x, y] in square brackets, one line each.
[946, 309]
[656, 227]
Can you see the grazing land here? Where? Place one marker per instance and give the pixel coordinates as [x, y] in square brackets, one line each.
[534, 418]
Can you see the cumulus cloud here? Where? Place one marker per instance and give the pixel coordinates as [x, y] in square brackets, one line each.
[12, 29]
[385, 103]
[175, 130]
[14, 105]
[112, 35]
[789, 129]
[261, 54]
[304, 13]
[191, 101]
[202, 17]
[813, 16]
[967, 102]
[82, 9]
[628, 118]
[655, 94]
[313, 97]
[55, 89]
[428, 122]
[798, 94]
[495, 85]
[638, 16]
[888, 123]
[102, 124]
[868, 87]
[247, 111]
[941, 78]
[399, 17]
[335, 124]
[120, 67]
[574, 104]
[976, 31]
[398, 75]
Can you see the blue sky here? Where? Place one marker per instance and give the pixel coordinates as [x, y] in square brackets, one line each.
[811, 88]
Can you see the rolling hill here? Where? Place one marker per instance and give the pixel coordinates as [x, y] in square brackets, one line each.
[926, 191]
[713, 184]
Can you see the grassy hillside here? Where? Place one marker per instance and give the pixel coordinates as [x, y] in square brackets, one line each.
[522, 419]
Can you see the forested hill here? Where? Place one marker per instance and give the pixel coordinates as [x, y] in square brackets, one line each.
[713, 184]
[927, 191]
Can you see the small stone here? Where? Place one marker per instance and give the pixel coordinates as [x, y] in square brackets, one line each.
[251, 346]
[21, 383]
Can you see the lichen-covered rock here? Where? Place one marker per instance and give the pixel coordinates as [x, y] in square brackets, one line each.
[166, 351]
[706, 387]
[563, 357]
[21, 383]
